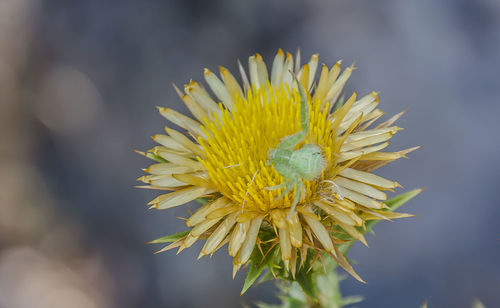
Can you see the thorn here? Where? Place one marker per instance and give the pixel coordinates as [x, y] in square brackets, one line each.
[236, 268]
[181, 248]
[177, 90]
[297, 61]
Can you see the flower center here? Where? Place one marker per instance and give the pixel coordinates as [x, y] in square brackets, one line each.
[237, 145]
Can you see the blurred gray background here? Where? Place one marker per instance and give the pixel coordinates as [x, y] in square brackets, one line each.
[79, 84]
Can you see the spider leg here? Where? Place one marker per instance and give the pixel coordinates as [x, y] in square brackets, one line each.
[299, 186]
[290, 142]
[275, 186]
[289, 187]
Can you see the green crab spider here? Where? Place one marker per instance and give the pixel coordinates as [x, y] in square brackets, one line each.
[295, 166]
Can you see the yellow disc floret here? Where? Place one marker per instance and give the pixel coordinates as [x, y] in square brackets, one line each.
[237, 146]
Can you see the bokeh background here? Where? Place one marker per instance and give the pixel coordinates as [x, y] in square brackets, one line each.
[79, 82]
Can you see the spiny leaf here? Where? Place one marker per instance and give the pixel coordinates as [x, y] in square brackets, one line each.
[394, 204]
[253, 273]
[267, 276]
[306, 282]
[305, 275]
[259, 263]
[399, 200]
[169, 238]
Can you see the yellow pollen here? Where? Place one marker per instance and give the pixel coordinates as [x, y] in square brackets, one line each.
[237, 144]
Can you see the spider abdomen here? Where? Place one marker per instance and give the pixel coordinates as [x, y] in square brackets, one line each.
[308, 161]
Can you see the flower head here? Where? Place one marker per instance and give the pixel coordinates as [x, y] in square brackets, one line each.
[223, 155]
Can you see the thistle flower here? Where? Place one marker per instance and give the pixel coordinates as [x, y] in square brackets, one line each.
[222, 155]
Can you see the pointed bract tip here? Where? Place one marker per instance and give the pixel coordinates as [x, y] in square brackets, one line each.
[181, 248]
[178, 91]
[175, 87]
[222, 69]
[236, 267]
[363, 240]
[332, 251]
[143, 186]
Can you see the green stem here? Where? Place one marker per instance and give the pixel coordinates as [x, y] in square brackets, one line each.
[328, 295]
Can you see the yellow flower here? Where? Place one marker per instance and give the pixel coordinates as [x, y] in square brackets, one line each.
[224, 158]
